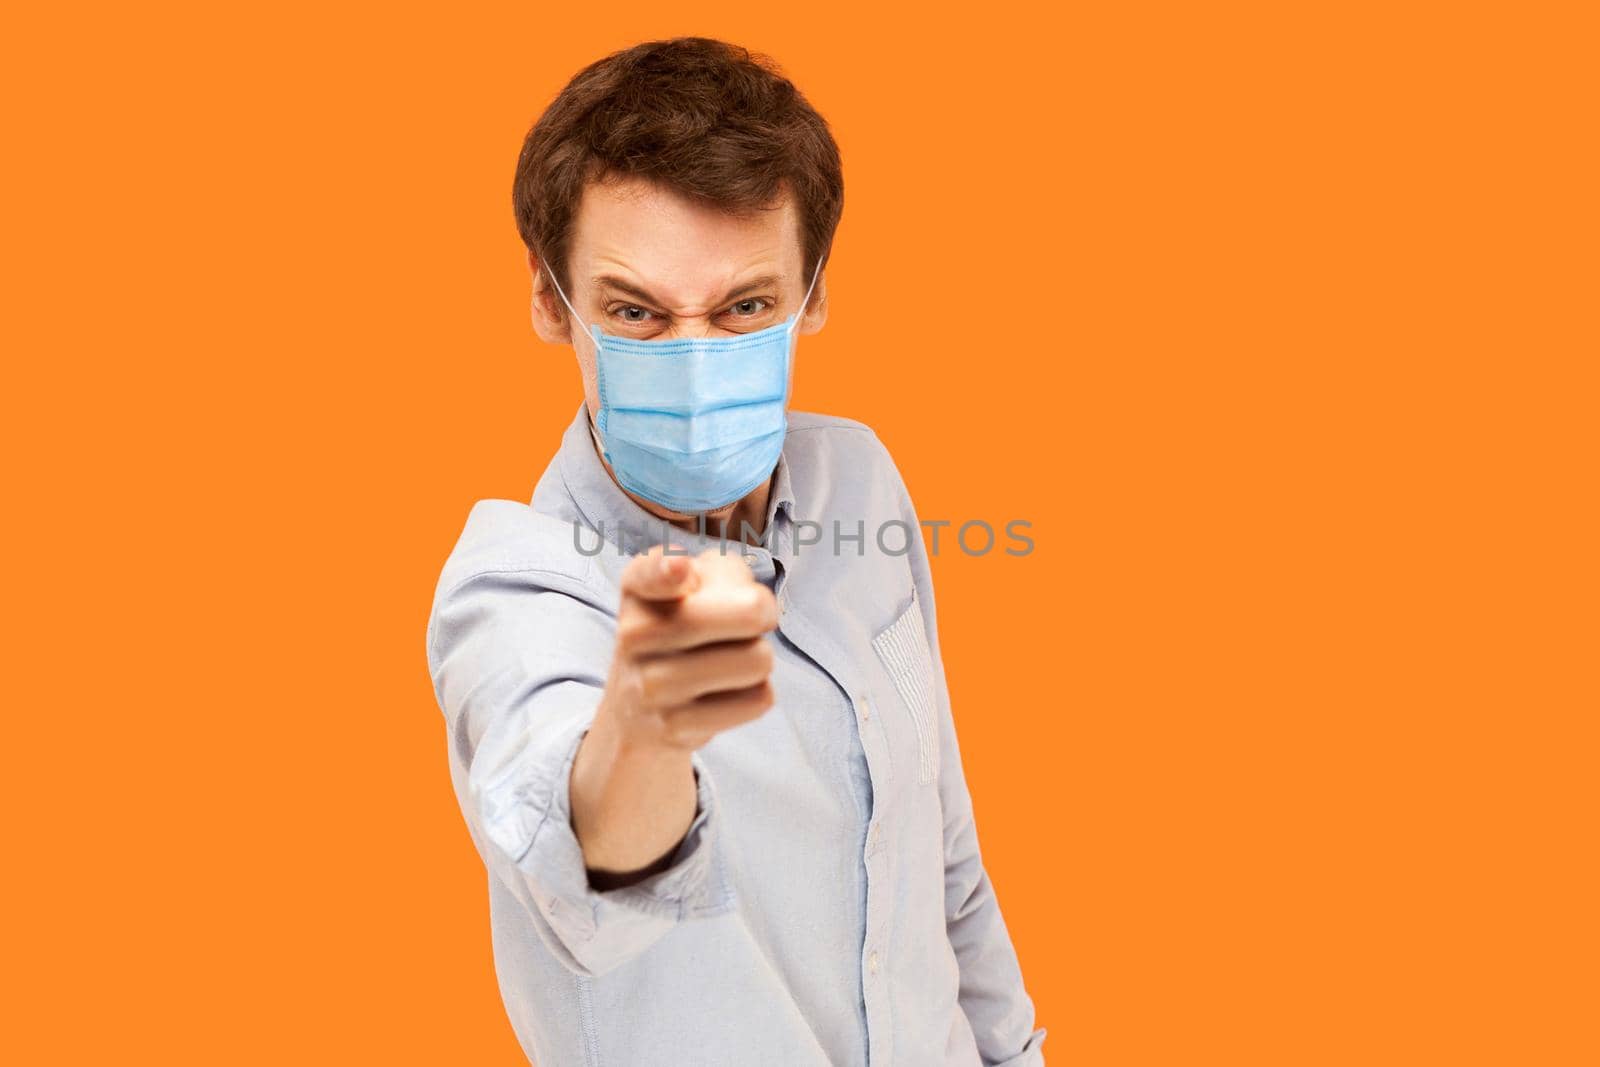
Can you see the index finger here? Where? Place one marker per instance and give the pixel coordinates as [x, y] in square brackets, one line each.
[660, 575]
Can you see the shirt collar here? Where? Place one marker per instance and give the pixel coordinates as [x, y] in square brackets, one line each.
[602, 506]
[782, 498]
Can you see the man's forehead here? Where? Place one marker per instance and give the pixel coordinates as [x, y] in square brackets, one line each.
[681, 249]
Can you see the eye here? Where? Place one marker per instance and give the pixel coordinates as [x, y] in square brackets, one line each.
[632, 314]
[754, 305]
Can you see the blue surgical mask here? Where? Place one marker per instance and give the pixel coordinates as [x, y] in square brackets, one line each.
[693, 423]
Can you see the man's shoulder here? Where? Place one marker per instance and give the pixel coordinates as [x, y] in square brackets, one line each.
[832, 425]
[510, 537]
[842, 454]
[837, 438]
[513, 573]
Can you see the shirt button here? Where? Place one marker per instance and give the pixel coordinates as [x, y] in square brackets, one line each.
[875, 828]
[866, 708]
[872, 961]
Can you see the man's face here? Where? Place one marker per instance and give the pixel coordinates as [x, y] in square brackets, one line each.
[648, 263]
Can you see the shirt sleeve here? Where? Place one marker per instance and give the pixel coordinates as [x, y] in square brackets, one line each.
[991, 990]
[518, 671]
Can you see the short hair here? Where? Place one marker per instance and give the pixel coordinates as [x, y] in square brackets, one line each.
[703, 117]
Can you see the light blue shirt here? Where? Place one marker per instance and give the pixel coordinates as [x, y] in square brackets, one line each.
[828, 905]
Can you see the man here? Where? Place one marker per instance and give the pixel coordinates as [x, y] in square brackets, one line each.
[698, 723]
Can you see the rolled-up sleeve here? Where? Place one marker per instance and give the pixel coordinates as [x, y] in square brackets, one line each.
[518, 669]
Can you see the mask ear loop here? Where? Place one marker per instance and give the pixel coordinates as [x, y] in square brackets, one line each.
[806, 301]
[593, 430]
[552, 276]
[788, 370]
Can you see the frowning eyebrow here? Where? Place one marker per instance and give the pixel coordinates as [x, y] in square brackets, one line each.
[611, 281]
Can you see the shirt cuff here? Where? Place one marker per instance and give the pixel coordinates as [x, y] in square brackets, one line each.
[1032, 1055]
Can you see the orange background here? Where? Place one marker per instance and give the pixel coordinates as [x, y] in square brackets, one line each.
[1276, 321]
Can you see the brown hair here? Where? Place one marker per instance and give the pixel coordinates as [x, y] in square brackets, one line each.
[706, 118]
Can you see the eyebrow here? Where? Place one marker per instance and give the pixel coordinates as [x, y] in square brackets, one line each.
[611, 281]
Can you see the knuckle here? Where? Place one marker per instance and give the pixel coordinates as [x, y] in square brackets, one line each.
[759, 613]
[684, 734]
[769, 609]
[632, 633]
[663, 730]
[628, 698]
[633, 574]
[652, 683]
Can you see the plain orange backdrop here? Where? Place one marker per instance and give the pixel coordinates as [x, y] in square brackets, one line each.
[1276, 321]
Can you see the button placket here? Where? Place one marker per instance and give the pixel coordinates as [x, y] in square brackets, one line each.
[870, 724]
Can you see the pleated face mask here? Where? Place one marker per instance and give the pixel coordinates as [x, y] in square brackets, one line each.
[693, 423]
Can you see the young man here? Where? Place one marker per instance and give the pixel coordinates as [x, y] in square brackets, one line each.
[698, 724]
